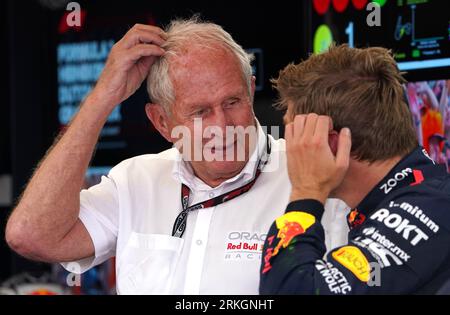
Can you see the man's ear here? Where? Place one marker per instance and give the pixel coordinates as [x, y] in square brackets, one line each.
[333, 140]
[159, 118]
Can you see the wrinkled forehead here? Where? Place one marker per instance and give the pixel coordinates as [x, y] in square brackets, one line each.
[199, 56]
[204, 67]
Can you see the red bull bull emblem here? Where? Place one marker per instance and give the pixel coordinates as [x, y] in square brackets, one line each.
[355, 218]
[289, 226]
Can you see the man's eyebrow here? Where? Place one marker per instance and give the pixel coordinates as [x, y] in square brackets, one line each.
[231, 98]
[195, 105]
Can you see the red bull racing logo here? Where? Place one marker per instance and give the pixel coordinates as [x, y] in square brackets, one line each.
[289, 226]
[355, 218]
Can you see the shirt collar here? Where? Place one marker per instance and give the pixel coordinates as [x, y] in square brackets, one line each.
[412, 170]
[182, 171]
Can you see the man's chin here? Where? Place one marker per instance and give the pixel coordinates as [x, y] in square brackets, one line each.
[226, 168]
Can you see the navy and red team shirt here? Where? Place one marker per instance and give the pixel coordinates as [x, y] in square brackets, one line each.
[399, 240]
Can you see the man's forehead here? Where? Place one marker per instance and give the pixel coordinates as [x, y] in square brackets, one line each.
[199, 54]
[205, 74]
[204, 70]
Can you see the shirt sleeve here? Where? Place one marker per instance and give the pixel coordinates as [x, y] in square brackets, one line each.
[395, 251]
[99, 212]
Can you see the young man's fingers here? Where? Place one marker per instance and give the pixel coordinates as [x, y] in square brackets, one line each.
[310, 126]
[298, 126]
[322, 129]
[289, 132]
[344, 148]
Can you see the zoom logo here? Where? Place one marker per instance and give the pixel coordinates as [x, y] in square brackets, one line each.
[392, 182]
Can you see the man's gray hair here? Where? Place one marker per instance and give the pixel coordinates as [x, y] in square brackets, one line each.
[181, 34]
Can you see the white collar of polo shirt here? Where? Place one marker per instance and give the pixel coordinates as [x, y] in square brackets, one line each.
[182, 170]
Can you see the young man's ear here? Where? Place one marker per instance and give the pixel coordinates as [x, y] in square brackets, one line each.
[333, 139]
[159, 119]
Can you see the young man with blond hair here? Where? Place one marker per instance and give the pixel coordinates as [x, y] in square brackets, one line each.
[350, 135]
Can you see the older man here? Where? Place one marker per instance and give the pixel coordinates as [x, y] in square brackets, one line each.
[189, 220]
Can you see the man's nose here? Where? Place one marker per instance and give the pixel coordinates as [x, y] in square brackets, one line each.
[221, 119]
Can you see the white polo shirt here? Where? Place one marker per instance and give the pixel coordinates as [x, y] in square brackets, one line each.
[131, 213]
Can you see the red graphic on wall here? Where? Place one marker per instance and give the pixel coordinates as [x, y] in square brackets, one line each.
[359, 4]
[321, 6]
[340, 5]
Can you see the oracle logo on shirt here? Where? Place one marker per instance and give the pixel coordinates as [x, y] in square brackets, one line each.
[244, 245]
[247, 236]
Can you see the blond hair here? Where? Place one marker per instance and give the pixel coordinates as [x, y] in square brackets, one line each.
[358, 88]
